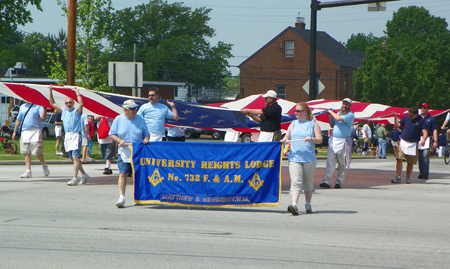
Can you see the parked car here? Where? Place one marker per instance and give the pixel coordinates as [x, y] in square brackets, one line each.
[48, 126]
[192, 132]
[214, 134]
[13, 114]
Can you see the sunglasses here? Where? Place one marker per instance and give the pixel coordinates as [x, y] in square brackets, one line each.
[299, 111]
[68, 103]
[151, 95]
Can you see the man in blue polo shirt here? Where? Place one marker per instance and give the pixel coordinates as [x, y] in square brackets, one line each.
[424, 149]
[412, 126]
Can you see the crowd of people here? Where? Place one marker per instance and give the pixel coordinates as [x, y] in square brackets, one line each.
[413, 143]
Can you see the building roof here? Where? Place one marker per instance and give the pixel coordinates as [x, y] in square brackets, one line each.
[334, 50]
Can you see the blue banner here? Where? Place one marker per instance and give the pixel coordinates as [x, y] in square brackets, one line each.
[207, 174]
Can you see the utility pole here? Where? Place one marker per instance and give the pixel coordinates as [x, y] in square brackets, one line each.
[71, 41]
[315, 6]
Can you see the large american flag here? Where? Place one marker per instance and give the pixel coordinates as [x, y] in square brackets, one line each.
[222, 116]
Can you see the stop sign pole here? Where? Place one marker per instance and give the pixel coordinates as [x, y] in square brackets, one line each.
[315, 6]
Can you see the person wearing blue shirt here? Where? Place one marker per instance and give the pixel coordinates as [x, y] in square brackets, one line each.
[424, 152]
[341, 123]
[176, 134]
[85, 137]
[442, 140]
[412, 127]
[302, 155]
[394, 137]
[126, 129]
[30, 116]
[72, 140]
[155, 113]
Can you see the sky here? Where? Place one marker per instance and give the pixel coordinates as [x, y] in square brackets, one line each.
[250, 24]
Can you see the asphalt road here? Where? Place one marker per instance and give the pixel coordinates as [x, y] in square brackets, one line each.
[370, 223]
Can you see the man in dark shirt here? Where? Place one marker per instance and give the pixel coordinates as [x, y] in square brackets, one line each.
[412, 126]
[269, 118]
[424, 151]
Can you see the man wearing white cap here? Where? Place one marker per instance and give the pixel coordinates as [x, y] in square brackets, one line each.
[341, 123]
[269, 118]
[126, 129]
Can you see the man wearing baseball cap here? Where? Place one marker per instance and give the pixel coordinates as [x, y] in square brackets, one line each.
[341, 123]
[269, 118]
[126, 129]
[424, 145]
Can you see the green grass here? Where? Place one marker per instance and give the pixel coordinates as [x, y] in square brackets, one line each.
[49, 152]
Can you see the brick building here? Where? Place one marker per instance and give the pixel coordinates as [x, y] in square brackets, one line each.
[283, 65]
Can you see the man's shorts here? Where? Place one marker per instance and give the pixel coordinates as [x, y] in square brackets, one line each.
[394, 143]
[84, 141]
[124, 167]
[408, 158]
[108, 151]
[35, 148]
[77, 152]
[58, 130]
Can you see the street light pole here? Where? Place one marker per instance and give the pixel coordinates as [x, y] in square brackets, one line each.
[312, 51]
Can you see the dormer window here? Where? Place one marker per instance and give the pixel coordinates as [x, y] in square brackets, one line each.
[289, 49]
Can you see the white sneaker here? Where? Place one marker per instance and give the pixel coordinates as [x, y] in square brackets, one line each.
[85, 178]
[27, 174]
[59, 153]
[121, 202]
[73, 182]
[46, 171]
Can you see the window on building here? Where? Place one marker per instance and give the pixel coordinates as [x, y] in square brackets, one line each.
[281, 92]
[289, 49]
[345, 82]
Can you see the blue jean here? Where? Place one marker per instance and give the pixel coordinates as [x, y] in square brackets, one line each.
[424, 161]
[90, 143]
[382, 147]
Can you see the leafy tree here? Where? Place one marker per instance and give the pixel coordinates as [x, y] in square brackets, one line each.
[10, 46]
[171, 42]
[415, 67]
[412, 25]
[361, 41]
[416, 23]
[13, 13]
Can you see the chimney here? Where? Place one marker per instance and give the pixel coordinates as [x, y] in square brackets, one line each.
[300, 23]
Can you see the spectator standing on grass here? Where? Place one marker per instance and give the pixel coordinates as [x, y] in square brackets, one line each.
[382, 141]
[58, 131]
[394, 137]
[107, 146]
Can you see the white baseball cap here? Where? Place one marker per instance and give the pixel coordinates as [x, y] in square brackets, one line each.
[271, 94]
[129, 104]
